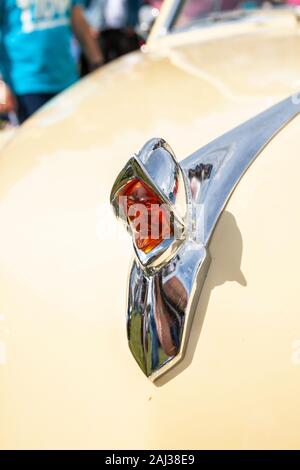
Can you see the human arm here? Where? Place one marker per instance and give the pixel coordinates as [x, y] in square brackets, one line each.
[85, 37]
[7, 99]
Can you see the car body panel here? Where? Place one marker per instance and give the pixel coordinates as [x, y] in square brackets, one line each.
[5, 135]
[67, 378]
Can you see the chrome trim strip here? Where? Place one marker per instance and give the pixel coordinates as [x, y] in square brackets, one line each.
[231, 154]
[172, 14]
[214, 19]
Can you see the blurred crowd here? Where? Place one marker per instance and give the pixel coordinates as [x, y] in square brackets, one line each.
[46, 45]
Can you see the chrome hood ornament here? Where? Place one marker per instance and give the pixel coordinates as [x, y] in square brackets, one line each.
[171, 210]
[151, 185]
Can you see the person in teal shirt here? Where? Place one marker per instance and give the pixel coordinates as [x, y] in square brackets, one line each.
[36, 61]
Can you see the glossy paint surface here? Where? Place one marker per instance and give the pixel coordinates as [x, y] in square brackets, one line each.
[67, 378]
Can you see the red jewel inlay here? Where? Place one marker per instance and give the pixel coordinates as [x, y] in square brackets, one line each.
[151, 225]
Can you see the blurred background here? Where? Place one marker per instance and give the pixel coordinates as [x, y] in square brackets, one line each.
[41, 42]
[46, 46]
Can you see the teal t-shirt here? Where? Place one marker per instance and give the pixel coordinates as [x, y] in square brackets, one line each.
[35, 45]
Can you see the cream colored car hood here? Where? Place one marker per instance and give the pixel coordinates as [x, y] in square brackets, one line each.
[67, 378]
[5, 135]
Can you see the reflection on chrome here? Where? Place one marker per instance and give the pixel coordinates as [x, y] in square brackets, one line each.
[166, 279]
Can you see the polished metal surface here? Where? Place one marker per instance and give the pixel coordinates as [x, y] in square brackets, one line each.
[164, 287]
[231, 154]
[156, 165]
[174, 10]
[212, 18]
